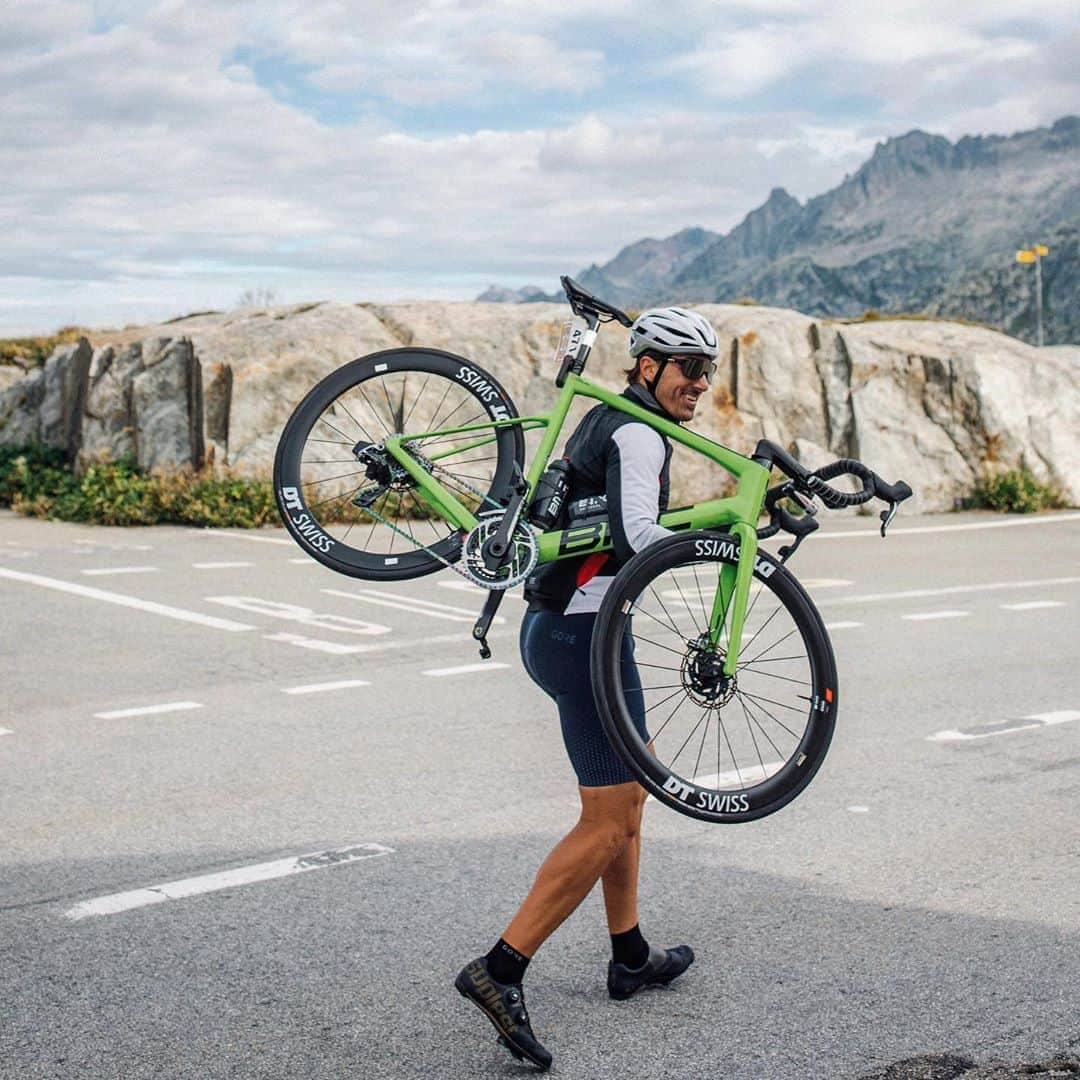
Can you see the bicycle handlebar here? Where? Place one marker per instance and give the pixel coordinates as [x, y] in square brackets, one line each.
[805, 482]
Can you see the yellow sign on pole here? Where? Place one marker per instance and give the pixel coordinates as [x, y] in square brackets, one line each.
[1025, 256]
[1041, 250]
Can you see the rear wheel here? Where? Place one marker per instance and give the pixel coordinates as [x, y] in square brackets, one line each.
[722, 749]
[333, 480]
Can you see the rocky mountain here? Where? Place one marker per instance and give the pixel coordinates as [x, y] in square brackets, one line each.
[926, 225]
[934, 403]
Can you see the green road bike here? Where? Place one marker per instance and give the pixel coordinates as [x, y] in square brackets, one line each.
[412, 460]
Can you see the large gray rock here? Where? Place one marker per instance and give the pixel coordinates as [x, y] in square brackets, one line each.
[108, 422]
[166, 403]
[20, 410]
[60, 413]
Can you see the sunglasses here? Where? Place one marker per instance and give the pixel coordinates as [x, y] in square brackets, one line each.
[693, 367]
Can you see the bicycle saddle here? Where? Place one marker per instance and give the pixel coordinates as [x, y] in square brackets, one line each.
[582, 300]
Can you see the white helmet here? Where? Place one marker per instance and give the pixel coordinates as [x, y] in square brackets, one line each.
[673, 331]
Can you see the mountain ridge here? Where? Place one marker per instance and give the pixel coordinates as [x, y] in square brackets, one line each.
[923, 225]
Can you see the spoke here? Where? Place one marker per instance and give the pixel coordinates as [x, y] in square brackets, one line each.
[378, 417]
[323, 420]
[738, 771]
[747, 644]
[773, 675]
[656, 735]
[662, 701]
[704, 733]
[671, 763]
[659, 622]
[749, 717]
[415, 400]
[659, 667]
[757, 699]
[753, 738]
[779, 641]
[677, 652]
[685, 603]
[434, 416]
[341, 402]
[334, 498]
[327, 479]
[330, 461]
[755, 702]
[333, 442]
[674, 625]
[701, 596]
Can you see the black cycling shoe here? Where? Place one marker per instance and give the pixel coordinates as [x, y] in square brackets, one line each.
[662, 966]
[504, 1005]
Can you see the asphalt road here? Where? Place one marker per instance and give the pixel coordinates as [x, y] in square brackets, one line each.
[921, 897]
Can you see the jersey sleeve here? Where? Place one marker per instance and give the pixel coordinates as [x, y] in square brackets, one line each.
[635, 461]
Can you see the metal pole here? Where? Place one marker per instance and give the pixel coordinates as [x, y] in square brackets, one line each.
[1038, 295]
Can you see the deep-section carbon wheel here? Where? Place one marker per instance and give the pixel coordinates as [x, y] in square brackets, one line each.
[332, 475]
[723, 749]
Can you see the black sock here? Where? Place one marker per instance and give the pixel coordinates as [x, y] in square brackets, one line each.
[630, 948]
[506, 964]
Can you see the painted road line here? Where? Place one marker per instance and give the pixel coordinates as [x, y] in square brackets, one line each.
[226, 879]
[126, 601]
[219, 565]
[460, 586]
[859, 809]
[842, 625]
[1006, 727]
[149, 710]
[277, 609]
[413, 605]
[895, 530]
[924, 616]
[106, 570]
[6, 731]
[948, 590]
[247, 536]
[318, 688]
[335, 648]
[463, 669]
[1033, 605]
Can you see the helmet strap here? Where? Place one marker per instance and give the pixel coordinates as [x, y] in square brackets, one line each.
[662, 363]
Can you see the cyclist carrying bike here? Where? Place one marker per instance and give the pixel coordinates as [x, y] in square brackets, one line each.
[625, 460]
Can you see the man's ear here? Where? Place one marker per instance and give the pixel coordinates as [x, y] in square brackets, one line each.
[648, 368]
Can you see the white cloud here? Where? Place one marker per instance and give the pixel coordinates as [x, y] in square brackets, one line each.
[145, 166]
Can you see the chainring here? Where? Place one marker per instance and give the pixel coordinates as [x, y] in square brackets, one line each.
[520, 564]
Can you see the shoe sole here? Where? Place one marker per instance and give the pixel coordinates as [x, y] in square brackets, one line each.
[518, 1052]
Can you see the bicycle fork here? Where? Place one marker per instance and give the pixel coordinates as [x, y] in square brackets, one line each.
[732, 596]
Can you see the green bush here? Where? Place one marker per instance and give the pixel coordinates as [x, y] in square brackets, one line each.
[1016, 492]
[37, 482]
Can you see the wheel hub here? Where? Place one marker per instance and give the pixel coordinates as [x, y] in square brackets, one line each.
[703, 674]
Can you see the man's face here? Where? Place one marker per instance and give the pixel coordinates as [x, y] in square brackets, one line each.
[677, 394]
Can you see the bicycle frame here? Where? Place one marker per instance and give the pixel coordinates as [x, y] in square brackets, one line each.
[737, 514]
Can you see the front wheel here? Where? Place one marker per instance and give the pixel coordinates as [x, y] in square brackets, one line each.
[719, 749]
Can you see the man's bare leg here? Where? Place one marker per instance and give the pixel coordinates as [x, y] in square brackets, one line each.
[620, 884]
[609, 822]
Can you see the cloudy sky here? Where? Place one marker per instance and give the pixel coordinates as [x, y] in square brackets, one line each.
[160, 158]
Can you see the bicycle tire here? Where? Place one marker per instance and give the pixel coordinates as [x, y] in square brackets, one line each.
[356, 406]
[751, 790]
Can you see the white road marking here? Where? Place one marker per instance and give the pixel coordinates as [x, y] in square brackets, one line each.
[126, 601]
[842, 625]
[948, 590]
[895, 530]
[246, 536]
[1033, 605]
[333, 647]
[226, 879]
[106, 570]
[413, 605]
[463, 669]
[461, 585]
[149, 710]
[318, 688]
[219, 565]
[923, 616]
[343, 624]
[6, 731]
[1006, 727]
[859, 809]
[306, 561]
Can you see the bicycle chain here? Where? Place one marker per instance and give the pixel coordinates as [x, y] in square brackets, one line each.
[432, 467]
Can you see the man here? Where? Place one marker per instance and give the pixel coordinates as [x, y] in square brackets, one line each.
[624, 459]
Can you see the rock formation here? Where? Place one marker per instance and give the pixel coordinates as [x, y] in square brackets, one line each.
[935, 403]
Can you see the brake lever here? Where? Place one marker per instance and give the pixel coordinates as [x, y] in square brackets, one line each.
[887, 516]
